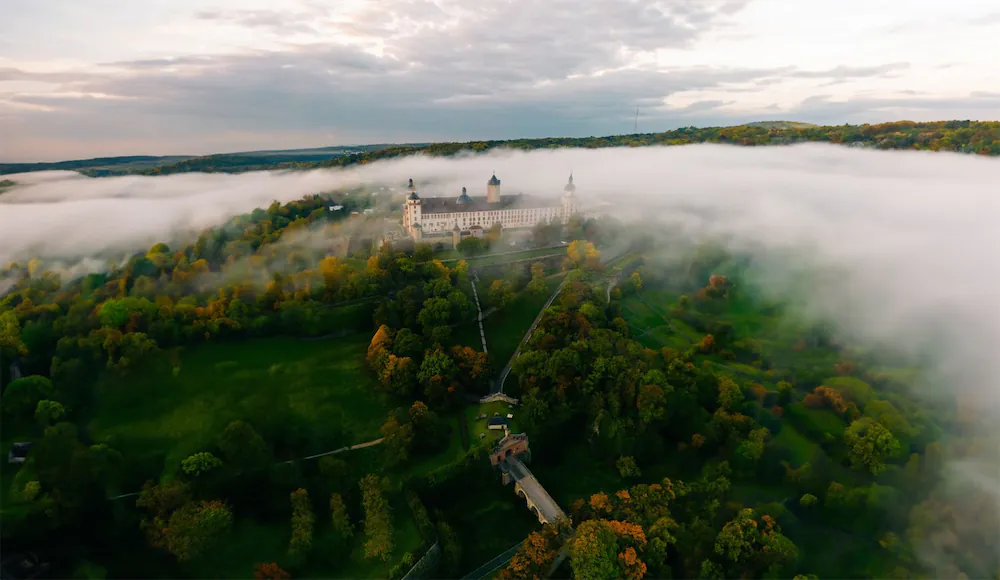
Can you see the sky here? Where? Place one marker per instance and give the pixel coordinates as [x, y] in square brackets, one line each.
[86, 78]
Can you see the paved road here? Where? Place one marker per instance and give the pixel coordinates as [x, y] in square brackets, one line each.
[493, 565]
[371, 443]
[498, 385]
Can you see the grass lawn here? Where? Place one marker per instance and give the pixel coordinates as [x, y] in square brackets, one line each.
[815, 422]
[477, 426]
[505, 328]
[406, 538]
[801, 448]
[453, 453]
[578, 475]
[250, 542]
[164, 416]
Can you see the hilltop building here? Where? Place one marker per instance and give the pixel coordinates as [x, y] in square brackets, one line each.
[465, 215]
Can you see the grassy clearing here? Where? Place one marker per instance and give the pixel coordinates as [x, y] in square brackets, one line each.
[814, 423]
[852, 388]
[505, 328]
[800, 447]
[577, 475]
[166, 415]
[406, 537]
[477, 425]
[451, 454]
[490, 521]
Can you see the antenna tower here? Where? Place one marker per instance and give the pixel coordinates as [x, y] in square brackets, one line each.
[636, 128]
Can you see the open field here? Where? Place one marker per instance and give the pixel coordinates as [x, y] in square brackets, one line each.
[180, 403]
[505, 328]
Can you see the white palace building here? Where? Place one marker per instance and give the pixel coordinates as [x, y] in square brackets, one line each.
[465, 215]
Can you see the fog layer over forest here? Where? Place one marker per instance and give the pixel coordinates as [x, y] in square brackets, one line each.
[900, 249]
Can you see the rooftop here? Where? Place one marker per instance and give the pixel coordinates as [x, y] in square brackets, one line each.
[479, 203]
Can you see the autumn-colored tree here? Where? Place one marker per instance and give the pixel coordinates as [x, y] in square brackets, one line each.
[582, 254]
[339, 518]
[397, 440]
[730, 394]
[594, 551]
[379, 348]
[697, 440]
[707, 343]
[302, 524]
[535, 556]
[823, 396]
[378, 519]
[269, 571]
[501, 292]
[398, 375]
[627, 467]
[187, 531]
[752, 544]
[651, 403]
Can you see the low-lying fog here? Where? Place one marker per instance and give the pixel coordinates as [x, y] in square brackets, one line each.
[911, 238]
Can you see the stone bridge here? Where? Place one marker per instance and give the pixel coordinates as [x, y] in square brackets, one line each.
[506, 456]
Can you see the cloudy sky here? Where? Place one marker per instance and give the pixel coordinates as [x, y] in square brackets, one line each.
[81, 78]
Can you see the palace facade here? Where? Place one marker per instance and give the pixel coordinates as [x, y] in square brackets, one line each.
[465, 215]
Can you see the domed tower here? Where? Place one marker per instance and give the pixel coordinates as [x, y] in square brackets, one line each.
[464, 199]
[493, 190]
[412, 210]
[569, 199]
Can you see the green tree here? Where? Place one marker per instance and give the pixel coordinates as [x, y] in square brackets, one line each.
[243, 446]
[501, 292]
[627, 467]
[537, 285]
[594, 551]
[869, 444]
[21, 397]
[200, 463]
[302, 524]
[730, 394]
[434, 318]
[48, 412]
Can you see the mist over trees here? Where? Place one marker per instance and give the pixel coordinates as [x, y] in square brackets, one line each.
[751, 347]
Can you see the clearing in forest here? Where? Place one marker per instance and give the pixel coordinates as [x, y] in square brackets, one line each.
[181, 402]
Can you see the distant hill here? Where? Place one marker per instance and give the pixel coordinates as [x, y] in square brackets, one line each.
[781, 125]
[124, 164]
[145, 164]
[974, 137]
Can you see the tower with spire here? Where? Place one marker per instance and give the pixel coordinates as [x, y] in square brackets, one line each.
[412, 211]
[569, 200]
[493, 189]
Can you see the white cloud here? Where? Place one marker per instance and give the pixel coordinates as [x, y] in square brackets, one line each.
[549, 68]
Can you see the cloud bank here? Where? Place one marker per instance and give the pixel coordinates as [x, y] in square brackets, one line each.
[202, 76]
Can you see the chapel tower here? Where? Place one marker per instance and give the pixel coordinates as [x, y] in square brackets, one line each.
[493, 190]
[412, 210]
[569, 200]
